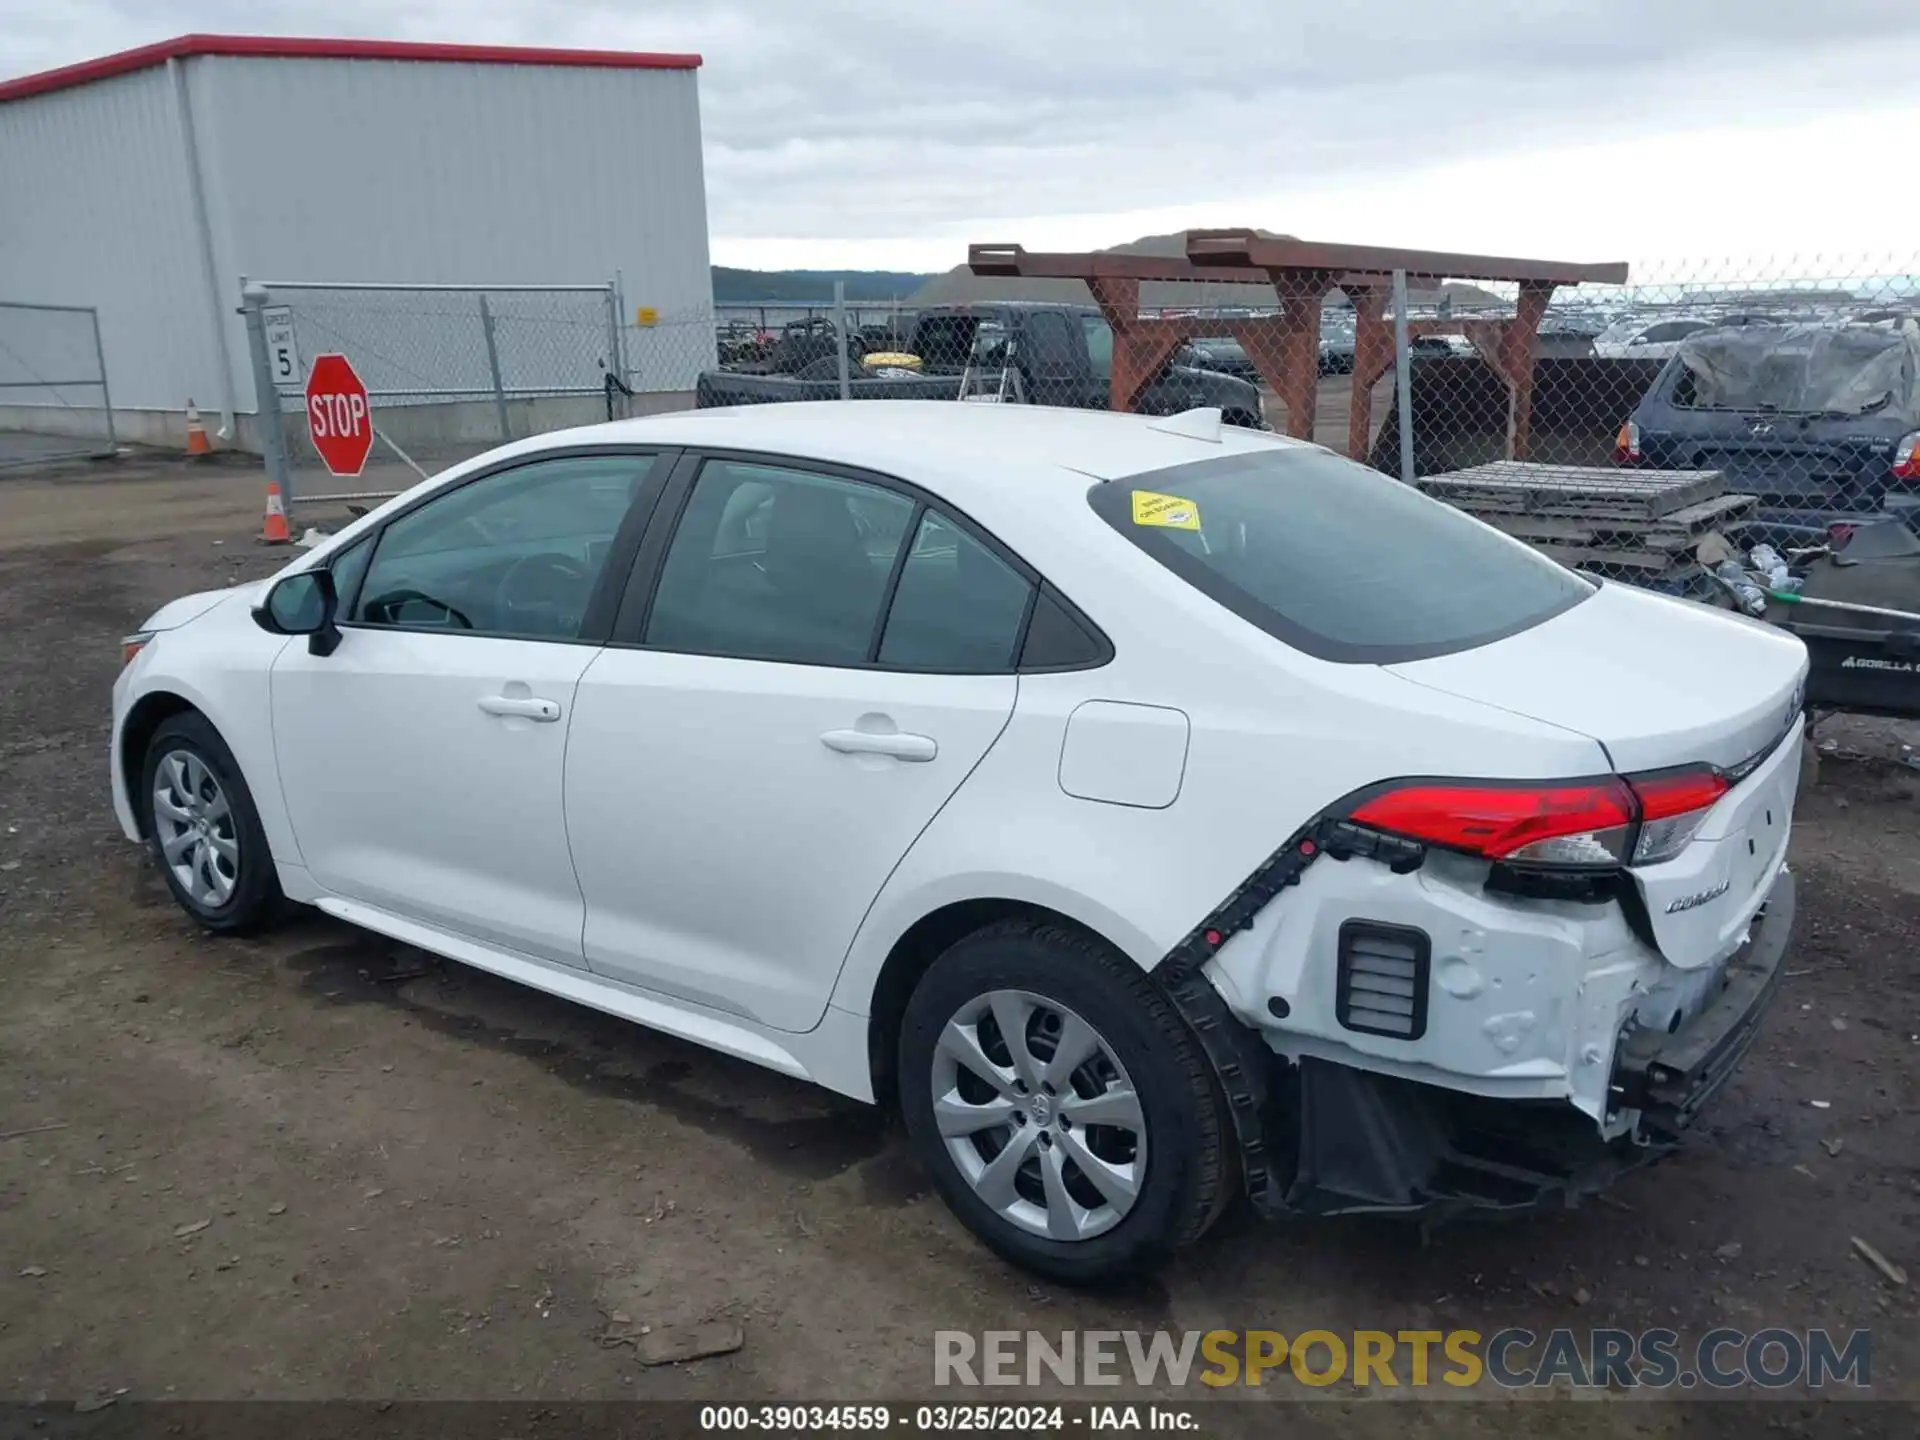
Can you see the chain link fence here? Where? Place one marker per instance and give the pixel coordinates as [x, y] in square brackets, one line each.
[1660, 431]
[54, 402]
[1688, 431]
[1624, 429]
[450, 371]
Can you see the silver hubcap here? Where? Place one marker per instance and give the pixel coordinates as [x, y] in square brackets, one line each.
[196, 829]
[1039, 1114]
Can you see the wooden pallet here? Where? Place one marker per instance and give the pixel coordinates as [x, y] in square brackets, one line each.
[1643, 526]
[1522, 487]
[1670, 534]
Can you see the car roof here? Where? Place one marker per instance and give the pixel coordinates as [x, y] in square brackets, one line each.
[967, 448]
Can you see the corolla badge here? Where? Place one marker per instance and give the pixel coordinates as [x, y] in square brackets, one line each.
[1705, 897]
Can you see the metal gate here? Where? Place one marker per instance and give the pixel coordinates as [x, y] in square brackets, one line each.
[54, 403]
[450, 370]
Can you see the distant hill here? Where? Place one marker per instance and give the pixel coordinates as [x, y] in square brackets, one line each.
[960, 285]
[748, 287]
[733, 286]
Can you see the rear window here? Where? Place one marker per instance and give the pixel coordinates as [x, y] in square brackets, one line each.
[1335, 559]
[1841, 371]
[945, 342]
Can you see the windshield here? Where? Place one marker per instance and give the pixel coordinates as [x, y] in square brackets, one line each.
[1335, 559]
[1798, 369]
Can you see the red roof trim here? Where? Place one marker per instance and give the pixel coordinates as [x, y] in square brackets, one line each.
[283, 48]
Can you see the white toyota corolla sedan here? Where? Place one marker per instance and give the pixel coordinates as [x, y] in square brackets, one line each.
[1153, 811]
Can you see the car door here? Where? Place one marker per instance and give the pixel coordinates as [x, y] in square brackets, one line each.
[422, 760]
[807, 666]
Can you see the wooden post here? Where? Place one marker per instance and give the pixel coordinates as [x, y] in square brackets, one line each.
[1300, 349]
[1508, 348]
[1372, 358]
[1140, 347]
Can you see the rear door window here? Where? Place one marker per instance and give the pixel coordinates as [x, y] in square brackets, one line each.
[771, 563]
[1335, 559]
[958, 608]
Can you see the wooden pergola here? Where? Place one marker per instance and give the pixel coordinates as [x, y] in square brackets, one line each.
[1285, 346]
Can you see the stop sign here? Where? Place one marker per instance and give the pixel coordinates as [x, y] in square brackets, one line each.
[339, 420]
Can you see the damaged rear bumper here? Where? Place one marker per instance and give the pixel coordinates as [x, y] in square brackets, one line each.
[1668, 1078]
[1321, 1138]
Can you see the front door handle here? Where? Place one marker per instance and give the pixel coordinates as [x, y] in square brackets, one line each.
[916, 748]
[524, 707]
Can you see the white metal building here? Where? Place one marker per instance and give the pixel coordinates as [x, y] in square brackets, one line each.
[147, 183]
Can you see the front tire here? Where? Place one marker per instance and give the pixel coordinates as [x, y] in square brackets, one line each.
[203, 829]
[1060, 1106]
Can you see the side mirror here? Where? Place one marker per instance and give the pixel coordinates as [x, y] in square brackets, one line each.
[302, 604]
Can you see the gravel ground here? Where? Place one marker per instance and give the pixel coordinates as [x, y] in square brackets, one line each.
[314, 1165]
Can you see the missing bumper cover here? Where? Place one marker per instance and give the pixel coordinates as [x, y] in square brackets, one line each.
[1669, 1077]
[1371, 1143]
[1322, 1138]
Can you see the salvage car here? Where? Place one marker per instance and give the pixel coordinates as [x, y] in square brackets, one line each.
[1641, 339]
[1036, 352]
[1821, 421]
[1154, 810]
[1220, 353]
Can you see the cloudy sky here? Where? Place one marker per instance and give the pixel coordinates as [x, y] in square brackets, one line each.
[1769, 133]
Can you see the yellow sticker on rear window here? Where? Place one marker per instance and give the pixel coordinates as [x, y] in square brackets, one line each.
[1170, 512]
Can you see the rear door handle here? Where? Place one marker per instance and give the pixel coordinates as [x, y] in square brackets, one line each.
[523, 707]
[916, 748]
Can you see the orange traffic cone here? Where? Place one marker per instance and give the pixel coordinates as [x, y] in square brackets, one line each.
[197, 442]
[275, 531]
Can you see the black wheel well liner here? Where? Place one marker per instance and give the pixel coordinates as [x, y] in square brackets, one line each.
[148, 714]
[923, 942]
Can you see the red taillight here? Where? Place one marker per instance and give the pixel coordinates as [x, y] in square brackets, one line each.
[1552, 824]
[1677, 792]
[1626, 445]
[1906, 457]
[1672, 805]
[1607, 822]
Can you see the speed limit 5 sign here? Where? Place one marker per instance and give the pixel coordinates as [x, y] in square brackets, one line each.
[283, 353]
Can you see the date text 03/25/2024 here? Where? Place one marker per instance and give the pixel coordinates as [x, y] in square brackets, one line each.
[939, 1419]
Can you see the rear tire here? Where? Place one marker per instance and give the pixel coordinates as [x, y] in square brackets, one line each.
[204, 830]
[1101, 1167]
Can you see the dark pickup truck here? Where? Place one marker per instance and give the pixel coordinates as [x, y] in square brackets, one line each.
[1038, 353]
[798, 344]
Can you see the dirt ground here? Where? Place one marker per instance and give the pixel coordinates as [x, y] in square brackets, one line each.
[315, 1166]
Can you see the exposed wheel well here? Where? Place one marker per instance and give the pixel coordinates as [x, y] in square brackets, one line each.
[148, 712]
[925, 941]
